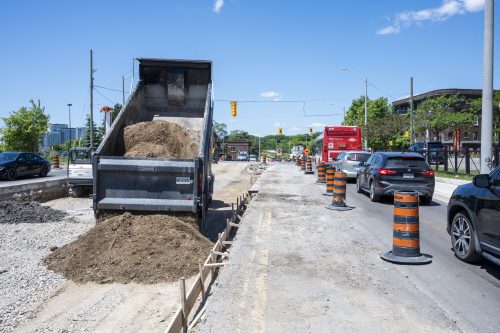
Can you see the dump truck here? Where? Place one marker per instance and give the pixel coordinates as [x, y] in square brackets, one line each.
[177, 91]
[79, 171]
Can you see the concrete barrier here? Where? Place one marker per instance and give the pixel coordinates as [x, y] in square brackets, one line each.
[36, 191]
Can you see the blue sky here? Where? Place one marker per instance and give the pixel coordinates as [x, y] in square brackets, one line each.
[261, 49]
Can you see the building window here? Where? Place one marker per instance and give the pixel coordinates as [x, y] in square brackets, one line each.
[466, 135]
[233, 149]
[475, 136]
[450, 136]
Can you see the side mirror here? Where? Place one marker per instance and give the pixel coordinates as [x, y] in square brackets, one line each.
[482, 181]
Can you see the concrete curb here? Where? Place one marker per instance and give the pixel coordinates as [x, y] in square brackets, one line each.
[451, 181]
[38, 191]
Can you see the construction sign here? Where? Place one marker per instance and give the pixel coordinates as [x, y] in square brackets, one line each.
[307, 151]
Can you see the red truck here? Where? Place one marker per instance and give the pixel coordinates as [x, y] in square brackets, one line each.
[337, 139]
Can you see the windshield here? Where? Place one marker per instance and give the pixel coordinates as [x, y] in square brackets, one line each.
[81, 156]
[359, 157]
[8, 156]
[406, 162]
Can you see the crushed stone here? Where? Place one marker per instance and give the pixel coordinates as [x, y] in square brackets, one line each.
[28, 212]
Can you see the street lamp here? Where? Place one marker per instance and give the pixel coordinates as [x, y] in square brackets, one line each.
[365, 79]
[69, 124]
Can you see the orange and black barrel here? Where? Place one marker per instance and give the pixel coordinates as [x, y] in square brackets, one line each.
[55, 161]
[330, 175]
[303, 163]
[297, 160]
[309, 169]
[264, 159]
[405, 231]
[321, 173]
[339, 189]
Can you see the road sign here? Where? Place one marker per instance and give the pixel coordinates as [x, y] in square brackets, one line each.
[307, 151]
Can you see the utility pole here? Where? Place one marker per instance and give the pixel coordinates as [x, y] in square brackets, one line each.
[91, 102]
[366, 111]
[343, 121]
[123, 90]
[69, 124]
[487, 107]
[412, 133]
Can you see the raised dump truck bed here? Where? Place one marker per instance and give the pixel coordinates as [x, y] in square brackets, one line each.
[176, 91]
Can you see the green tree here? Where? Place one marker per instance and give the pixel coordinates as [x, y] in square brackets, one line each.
[86, 137]
[220, 129]
[387, 131]
[25, 128]
[116, 110]
[475, 107]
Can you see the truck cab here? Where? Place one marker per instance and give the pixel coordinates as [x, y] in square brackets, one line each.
[79, 170]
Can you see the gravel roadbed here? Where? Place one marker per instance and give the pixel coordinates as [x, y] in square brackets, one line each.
[24, 281]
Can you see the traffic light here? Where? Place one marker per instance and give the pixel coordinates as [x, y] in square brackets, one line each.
[234, 108]
[310, 130]
[280, 131]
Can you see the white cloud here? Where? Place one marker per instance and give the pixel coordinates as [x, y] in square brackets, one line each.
[447, 9]
[218, 6]
[270, 94]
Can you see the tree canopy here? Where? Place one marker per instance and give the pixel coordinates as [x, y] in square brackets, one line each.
[25, 128]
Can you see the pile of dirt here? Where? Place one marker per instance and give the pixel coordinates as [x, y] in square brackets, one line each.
[161, 139]
[28, 212]
[133, 248]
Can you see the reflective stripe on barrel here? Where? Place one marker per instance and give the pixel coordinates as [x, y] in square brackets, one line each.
[309, 164]
[330, 175]
[405, 229]
[303, 163]
[339, 189]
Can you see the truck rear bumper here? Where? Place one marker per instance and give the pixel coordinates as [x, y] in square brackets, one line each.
[156, 205]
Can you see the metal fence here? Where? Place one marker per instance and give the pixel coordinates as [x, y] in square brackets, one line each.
[466, 160]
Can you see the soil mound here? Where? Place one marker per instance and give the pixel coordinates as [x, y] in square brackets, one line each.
[140, 248]
[161, 139]
[28, 212]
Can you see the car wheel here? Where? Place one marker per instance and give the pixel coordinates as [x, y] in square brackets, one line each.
[358, 185]
[463, 238]
[426, 200]
[43, 172]
[11, 174]
[373, 196]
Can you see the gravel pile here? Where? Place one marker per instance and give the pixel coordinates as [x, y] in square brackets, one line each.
[28, 212]
[257, 168]
[24, 281]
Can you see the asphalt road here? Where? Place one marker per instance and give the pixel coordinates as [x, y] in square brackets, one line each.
[469, 292]
[54, 174]
[296, 266]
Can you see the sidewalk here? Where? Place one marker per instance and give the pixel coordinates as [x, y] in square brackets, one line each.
[445, 187]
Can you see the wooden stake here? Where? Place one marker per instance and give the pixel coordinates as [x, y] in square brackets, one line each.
[183, 305]
[202, 281]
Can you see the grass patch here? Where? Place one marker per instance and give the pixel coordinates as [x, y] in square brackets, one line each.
[459, 175]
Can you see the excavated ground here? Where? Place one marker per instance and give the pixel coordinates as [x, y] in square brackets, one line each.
[161, 139]
[133, 248]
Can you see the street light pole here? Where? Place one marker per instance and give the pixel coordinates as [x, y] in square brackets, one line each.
[69, 124]
[365, 80]
[487, 105]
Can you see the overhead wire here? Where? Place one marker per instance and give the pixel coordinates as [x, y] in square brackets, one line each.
[303, 102]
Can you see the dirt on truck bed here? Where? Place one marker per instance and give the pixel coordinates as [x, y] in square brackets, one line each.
[133, 248]
[161, 139]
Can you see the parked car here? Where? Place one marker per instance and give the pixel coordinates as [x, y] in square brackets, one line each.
[474, 219]
[242, 156]
[385, 173]
[435, 149]
[15, 164]
[252, 158]
[350, 161]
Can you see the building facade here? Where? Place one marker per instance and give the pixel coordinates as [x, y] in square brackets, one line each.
[468, 138]
[60, 133]
[229, 150]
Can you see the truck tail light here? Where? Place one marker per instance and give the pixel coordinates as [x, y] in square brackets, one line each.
[428, 173]
[386, 172]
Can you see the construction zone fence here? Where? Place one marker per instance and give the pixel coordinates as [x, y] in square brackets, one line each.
[207, 273]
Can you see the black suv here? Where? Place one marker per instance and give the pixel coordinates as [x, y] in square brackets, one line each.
[474, 219]
[385, 173]
[434, 148]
